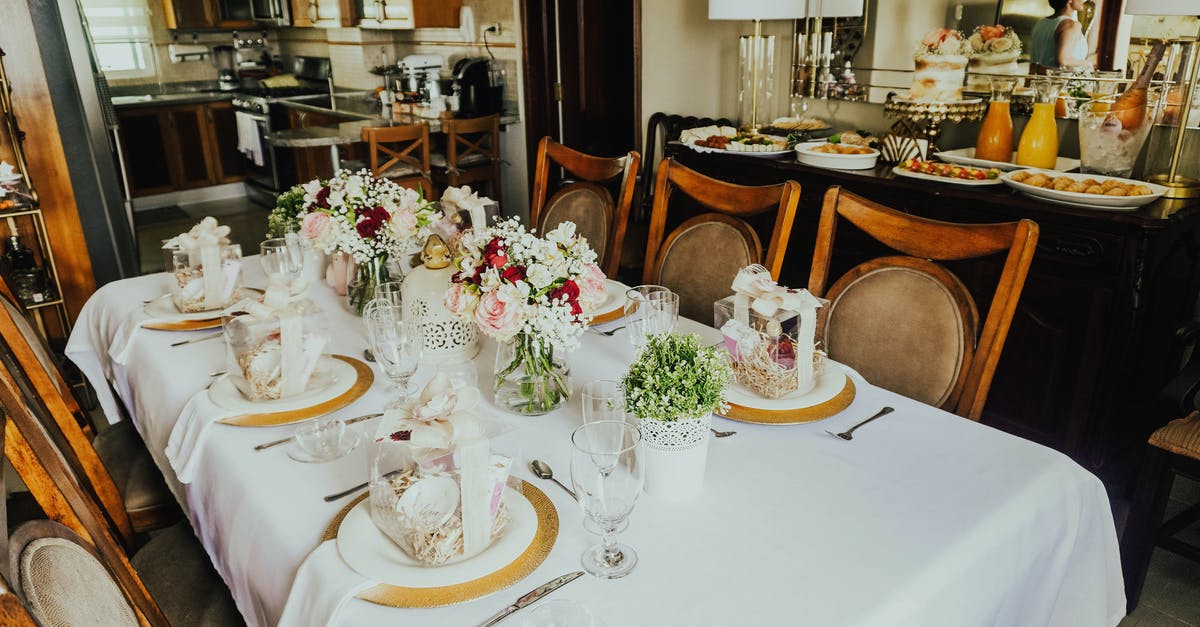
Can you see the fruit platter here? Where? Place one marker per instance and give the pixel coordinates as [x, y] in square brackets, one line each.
[948, 173]
[726, 139]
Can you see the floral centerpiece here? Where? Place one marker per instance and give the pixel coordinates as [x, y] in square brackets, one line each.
[288, 213]
[532, 294]
[673, 387]
[369, 219]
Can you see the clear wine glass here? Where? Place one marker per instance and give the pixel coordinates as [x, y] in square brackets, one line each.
[390, 291]
[607, 473]
[279, 258]
[639, 316]
[603, 399]
[395, 345]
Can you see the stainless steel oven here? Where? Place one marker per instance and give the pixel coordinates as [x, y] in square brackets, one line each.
[272, 12]
[277, 172]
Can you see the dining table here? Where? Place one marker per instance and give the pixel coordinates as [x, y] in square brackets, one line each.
[923, 518]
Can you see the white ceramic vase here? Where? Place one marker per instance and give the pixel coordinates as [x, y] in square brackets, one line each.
[676, 455]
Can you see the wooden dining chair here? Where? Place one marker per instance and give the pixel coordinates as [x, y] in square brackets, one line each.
[12, 610]
[472, 154]
[699, 258]
[581, 197]
[401, 154]
[169, 581]
[905, 322]
[116, 463]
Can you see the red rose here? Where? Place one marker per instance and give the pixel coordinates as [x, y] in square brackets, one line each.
[576, 308]
[493, 253]
[514, 274]
[323, 198]
[370, 221]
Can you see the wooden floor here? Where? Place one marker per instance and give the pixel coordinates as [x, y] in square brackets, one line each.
[247, 223]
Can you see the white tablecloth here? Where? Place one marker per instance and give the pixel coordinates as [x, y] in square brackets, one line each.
[924, 519]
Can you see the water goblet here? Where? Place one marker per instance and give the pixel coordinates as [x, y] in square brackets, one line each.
[390, 291]
[603, 399]
[279, 259]
[639, 318]
[607, 473]
[395, 345]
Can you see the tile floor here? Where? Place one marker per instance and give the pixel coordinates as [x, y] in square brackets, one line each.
[1171, 595]
[247, 222]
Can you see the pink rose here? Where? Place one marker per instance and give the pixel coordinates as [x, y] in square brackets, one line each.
[459, 300]
[314, 225]
[497, 316]
[592, 288]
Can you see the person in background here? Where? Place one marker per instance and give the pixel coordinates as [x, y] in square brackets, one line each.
[1059, 41]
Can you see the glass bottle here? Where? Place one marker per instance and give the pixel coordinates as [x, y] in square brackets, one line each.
[995, 142]
[1038, 147]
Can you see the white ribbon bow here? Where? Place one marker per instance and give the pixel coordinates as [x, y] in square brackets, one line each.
[203, 246]
[753, 285]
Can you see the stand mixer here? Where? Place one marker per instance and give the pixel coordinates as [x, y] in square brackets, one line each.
[421, 73]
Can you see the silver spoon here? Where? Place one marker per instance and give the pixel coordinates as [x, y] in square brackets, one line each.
[543, 471]
[848, 434]
[609, 332]
[722, 434]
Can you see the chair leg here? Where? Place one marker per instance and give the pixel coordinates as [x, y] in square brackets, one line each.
[1153, 488]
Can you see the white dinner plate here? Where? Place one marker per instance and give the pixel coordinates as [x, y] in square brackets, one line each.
[613, 306]
[163, 308]
[829, 385]
[1086, 201]
[944, 179]
[805, 154]
[966, 156]
[373, 555]
[331, 379]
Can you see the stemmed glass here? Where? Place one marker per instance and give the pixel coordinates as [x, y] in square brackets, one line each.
[281, 258]
[650, 310]
[607, 473]
[603, 399]
[395, 345]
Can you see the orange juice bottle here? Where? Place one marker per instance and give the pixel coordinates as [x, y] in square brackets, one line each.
[1038, 147]
[995, 142]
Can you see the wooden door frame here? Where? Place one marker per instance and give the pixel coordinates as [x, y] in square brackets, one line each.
[537, 105]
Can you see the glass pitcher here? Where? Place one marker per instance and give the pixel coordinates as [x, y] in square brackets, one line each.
[1038, 147]
[995, 142]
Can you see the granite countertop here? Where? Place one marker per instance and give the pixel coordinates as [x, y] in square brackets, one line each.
[149, 94]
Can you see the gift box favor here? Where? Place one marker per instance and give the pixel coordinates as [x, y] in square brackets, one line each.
[275, 352]
[436, 488]
[770, 332]
[205, 268]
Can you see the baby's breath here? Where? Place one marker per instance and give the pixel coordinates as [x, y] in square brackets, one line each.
[675, 377]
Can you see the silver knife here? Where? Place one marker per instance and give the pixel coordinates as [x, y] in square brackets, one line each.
[356, 419]
[197, 339]
[533, 597]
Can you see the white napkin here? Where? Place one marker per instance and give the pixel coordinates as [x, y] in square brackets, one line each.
[122, 340]
[321, 589]
[186, 444]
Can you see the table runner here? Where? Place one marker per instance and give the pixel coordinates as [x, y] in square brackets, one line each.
[924, 519]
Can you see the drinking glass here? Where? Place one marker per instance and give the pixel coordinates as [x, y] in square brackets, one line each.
[650, 310]
[389, 291]
[395, 345]
[603, 399]
[607, 472]
[279, 259]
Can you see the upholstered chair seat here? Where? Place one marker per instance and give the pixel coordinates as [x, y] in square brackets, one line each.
[138, 479]
[700, 261]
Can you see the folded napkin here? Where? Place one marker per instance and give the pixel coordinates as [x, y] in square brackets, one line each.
[186, 444]
[321, 589]
[122, 340]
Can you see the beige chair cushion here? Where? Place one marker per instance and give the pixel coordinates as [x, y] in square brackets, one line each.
[902, 330]
[66, 586]
[700, 264]
[125, 456]
[1180, 436]
[588, 206]
[438, 160]
[181, 580]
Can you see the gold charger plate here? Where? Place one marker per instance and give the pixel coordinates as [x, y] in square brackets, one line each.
[185, 325]
[820, 411]
[364, 377]
[441, 596]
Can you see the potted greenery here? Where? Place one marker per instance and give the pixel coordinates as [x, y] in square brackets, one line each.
[673, 387]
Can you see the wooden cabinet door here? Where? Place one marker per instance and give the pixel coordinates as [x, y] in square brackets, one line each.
[436, 13]
[228, 165]
[144, 144]
[192, 149]
[189, 14]
[303, 12]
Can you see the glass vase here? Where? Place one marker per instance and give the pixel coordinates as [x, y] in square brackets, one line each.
[531, 379]
[361, 281]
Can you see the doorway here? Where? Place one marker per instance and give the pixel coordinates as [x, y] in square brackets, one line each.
[582, 74]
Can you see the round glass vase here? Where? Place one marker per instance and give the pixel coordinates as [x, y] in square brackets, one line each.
[530, 377]
[361, 281]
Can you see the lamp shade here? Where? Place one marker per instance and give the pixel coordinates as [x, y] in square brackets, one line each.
[781, 9]
[1156, 7]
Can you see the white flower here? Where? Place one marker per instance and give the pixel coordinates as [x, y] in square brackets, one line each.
[562, 234]
[538, 275]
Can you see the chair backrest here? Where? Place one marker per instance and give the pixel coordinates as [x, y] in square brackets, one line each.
[401, 152]
[907, 323]
[53, 404]
[472, 140]
[62, 494]
[662, 128]
[12, 611]
[584, 201]
[699, 258]
[63, 580]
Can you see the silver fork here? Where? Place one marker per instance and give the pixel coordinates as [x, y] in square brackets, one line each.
[722, 434]
[848, 434]
[608, 333]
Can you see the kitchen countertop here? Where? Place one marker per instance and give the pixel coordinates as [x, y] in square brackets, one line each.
[150, 94]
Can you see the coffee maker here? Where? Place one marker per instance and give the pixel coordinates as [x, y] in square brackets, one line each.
[479, 94]
[222, 59]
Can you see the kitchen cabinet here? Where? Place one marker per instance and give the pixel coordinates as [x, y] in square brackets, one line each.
[314, 163]
[323, 13]
[180, 147]
[207, 14]
[408, 14]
